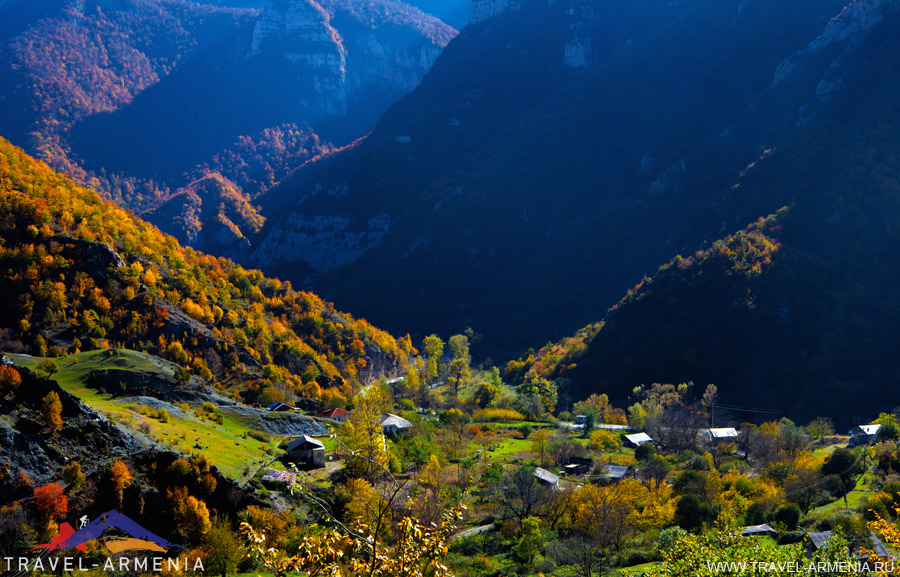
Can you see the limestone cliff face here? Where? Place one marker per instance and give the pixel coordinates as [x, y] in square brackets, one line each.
[300, 30]
[345, 49]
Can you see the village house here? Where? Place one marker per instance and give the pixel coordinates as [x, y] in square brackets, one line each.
[864, 435]
[392, 425]
[280, 407]
[306, 450]
[817, 540]
[635, 440]
[719, 435]
[340, 415]
[615, 473]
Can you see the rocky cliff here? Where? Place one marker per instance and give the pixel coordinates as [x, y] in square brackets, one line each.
[344, 49]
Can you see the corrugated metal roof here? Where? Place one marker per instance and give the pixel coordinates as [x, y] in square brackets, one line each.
[757, 530]
[616, 471]
[639, 438]
[304, 440]
[390, 420]
[546, 476]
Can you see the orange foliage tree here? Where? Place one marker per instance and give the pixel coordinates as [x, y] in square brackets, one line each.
[120, 477]
[50, 501]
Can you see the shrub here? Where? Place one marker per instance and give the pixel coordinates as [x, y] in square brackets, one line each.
[260, 436]
[493, 414]
[638, 557]
[791, 537]
[644, 451]
[755, 514]
[788, 515]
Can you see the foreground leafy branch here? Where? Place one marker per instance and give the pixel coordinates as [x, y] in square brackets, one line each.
[419, 551]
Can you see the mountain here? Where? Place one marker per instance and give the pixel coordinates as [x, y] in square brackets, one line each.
[82, 274]
[796, 313]
[139, 99]
[555, 153]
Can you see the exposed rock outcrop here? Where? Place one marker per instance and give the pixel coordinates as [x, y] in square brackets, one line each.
[341, 51]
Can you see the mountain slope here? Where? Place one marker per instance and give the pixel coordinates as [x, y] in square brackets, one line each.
[138, 99]
[551, 156]
[798, 313]
[82, 274]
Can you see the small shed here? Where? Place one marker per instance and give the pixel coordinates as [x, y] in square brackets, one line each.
[545, 477]
[635, 440]
[719, 435]
[864, 434]
[818, 539]
[616, 473]
[392, 425]
[340, 415]
[578, 466]
[758, 530]
[305, 449]
[280, 407]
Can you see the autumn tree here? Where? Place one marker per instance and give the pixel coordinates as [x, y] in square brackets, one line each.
[705, 555]
[433, 347]
[190, 514]
[51, 502]
[73, 476]
[10, 379]
[51, 411]
[540, 389]
[120, 478]
[362, 437]
[540, 444]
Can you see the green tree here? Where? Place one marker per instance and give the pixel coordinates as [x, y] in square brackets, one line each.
[48, 367]
[531, 541]
[434, 352]
[705, 555]
[73, 476]
[820, 428]
[222, 549]
[459, 373]
[844, 464]
[889, 429]
[540, 388]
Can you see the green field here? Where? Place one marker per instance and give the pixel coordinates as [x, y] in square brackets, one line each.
[226, 445]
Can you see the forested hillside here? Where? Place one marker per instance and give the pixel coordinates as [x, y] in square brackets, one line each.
[81, 274]
[795, 314]
[558, 152]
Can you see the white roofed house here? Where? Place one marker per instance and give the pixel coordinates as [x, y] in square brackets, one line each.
[306, 450]
[719, 435]
[392, 425]
[864, 435]
[635, 440]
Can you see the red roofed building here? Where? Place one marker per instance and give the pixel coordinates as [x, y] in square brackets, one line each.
[335, 414]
